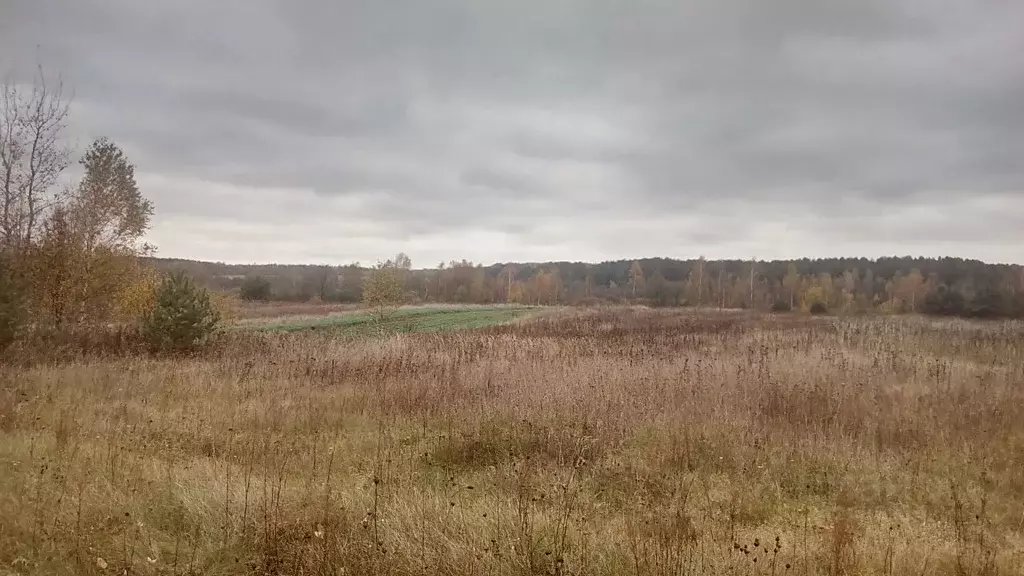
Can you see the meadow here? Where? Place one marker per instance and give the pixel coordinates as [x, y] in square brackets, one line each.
[586, 442]
[359, 322]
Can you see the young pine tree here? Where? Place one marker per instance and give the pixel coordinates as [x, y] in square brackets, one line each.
[183, 318]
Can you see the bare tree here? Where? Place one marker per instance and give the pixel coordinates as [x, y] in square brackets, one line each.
[700, 279]
[750, 300]
[402, 262]
[32, 157]
[326, 280]
[721, 293]
[636, 275]
[509, 272]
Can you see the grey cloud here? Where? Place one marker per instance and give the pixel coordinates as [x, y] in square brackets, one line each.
[559, 123]
[502, 182]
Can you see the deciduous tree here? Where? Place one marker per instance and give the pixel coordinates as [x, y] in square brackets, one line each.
[382, 291]
[108, 216]
[33, 154]
[636, 276]
[255, 288]
[791, 282]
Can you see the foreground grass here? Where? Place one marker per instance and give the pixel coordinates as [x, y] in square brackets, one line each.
[619, 441]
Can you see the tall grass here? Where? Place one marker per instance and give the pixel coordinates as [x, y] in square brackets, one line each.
[607, 441]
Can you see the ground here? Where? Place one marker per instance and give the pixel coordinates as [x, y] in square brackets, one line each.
[602, 441]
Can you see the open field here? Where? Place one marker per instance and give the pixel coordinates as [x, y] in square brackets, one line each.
[252, 311]
[604, 441]
[407, 319]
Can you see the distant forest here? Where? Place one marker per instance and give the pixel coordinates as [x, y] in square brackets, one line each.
[942, 286]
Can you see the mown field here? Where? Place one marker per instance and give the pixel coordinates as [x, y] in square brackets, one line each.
[606, 441]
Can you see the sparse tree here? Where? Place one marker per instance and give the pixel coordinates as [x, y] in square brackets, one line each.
[636, 276]
[700, 278]
[318, 283]
[911, 289]
[721, 293]
[382, 291]
[255, 288]
[402, 262]
[750, 298]
[791, 282]
[108, 216]
[32, 157]
[509, 274]
[108, 209]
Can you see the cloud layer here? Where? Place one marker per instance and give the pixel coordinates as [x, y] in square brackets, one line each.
[312, 130]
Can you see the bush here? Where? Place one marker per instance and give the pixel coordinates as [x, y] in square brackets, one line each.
[226, 305]
[781, 306]
[944, 302]
[12, 306]
[183, 319]
[819, 308]
[255, 288]
[991, 303]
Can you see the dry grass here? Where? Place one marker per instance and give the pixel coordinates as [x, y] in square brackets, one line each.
[251, 311]
[608, 441]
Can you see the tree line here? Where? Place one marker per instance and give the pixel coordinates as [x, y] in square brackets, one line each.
[945, 286]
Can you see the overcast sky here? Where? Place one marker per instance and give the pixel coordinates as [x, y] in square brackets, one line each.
[342, 130]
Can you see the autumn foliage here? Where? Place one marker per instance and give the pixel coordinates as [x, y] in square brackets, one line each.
[383, 290]
[71, 257]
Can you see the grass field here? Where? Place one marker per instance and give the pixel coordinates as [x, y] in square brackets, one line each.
[588, 442]
[411, 319]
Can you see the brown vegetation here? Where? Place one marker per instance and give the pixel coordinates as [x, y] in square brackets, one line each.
[69, 255]
[608, 441]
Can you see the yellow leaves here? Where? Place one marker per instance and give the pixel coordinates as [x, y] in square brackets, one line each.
[138, 293]
[518, 293]
[383, 291]
[226, 305]
[812, 295]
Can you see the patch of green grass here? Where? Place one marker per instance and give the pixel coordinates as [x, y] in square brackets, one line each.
[425, 319]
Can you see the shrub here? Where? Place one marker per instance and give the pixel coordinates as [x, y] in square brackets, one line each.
[819, 308]
[255, 288]
[12, 306]
[781, 306]
[183, 318]
[944, 302]
[226, 305]
[991, 303]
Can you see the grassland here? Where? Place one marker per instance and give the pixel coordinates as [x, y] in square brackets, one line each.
[608, 441]
[409, 319]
